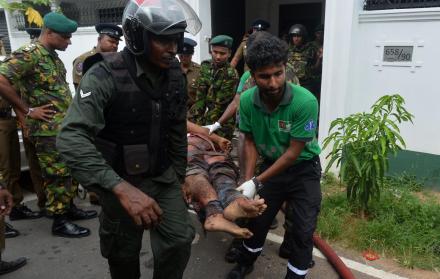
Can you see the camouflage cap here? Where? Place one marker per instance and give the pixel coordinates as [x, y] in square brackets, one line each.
[59, 23]
[222, 40]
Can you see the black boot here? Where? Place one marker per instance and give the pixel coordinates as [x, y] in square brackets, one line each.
[6, 267]
[21, 212]
[74, 213]
[10, 231]
[245, 264]
[62, 227]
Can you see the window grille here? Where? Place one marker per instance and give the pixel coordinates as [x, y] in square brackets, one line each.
[85, 12]
[89, 13]
[371, 5]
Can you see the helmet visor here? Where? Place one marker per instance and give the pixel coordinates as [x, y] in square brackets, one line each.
[164, 16]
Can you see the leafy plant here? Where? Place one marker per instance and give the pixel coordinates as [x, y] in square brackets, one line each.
[27, 8]
[362, 143]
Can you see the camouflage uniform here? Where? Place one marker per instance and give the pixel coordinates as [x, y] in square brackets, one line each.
[215, 90]
[302, 58]
[39, 75]
[78, 66]
[192, 74]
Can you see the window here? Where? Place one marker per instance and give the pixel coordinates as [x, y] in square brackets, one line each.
[89, 13]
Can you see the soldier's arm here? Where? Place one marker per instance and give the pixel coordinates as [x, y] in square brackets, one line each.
[238, 55]
[15, 68]
[84, 119]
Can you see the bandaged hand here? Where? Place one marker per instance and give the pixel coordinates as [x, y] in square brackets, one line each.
[248, 189]
[213, 127]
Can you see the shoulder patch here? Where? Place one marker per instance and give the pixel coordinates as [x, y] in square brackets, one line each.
[29, 47]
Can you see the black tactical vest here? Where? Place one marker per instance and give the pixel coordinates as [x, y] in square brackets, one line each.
[135, 116]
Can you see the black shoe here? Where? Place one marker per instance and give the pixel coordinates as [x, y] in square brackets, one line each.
[10, 231]
[62, 227]
[240, 271]
[21, 212]
[274, 224]
[74, 213]
[6, 267]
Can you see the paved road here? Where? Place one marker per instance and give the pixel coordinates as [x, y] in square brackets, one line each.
[61, 258]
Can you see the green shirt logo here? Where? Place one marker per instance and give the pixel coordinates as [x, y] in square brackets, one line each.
[284, 126]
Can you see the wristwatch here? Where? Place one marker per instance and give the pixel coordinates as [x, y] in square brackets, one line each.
[30, 110]
[258, 184]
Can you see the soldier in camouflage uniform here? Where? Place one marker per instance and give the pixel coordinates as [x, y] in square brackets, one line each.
[316, 70]
[36, 72]
[216, 86]
[108, 41]
[190, 69]
[302, 55]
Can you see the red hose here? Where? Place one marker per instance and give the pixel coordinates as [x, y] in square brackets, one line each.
[333, 258]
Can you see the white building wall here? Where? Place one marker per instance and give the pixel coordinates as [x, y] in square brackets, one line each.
[85, 38]
[353, 77]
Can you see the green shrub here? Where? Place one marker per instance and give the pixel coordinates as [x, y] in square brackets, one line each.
[361, 144]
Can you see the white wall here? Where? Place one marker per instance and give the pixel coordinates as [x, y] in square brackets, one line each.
[85, 38]
[353, 78]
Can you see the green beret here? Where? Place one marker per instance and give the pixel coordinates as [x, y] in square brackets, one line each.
[59, 23]
[222, 40]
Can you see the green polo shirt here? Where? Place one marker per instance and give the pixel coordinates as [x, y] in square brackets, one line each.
[295, 118]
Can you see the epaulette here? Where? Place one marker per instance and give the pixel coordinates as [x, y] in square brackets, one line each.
[195, 65]
[30, 47]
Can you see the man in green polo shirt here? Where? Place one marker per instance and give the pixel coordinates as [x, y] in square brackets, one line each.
[279, 121]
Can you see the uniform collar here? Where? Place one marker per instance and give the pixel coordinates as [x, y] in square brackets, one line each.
[285, 100]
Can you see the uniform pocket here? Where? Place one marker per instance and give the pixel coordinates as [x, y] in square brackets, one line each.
[107, 234]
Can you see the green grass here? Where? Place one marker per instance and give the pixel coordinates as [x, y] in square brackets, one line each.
[399, 226]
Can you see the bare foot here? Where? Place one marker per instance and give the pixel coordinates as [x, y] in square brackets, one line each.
[218, 223]
[244, 208]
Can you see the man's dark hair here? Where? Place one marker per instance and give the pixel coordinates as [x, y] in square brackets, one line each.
[265, 49]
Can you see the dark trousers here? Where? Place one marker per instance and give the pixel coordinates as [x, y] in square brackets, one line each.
[300, 187]
[121, 238]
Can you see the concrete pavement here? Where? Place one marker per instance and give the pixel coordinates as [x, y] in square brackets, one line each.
[62, 258]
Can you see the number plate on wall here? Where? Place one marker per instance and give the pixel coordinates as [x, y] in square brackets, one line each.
[397, 53]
